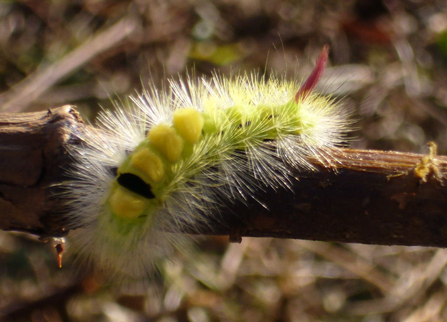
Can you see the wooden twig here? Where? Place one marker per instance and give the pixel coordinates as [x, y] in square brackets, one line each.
[362, 196]
[33, 156]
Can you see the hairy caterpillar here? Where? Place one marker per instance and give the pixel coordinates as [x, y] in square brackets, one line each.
[171, 157]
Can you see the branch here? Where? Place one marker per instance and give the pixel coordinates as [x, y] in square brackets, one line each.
[365, 196]
[33, 156]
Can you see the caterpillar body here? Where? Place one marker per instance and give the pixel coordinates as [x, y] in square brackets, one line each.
[169, 159]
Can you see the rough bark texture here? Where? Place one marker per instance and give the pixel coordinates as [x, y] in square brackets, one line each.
[33, 156]
[372, 197]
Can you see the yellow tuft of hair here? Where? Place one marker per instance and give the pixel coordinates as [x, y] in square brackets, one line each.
[149, 163]
[125, 204]
[167, 141]
[189, 124]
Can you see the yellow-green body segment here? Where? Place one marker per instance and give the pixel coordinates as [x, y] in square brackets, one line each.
[166, 149]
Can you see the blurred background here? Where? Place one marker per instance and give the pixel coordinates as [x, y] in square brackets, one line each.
[388, 64]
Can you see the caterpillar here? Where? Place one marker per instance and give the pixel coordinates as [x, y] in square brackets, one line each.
[171, 157]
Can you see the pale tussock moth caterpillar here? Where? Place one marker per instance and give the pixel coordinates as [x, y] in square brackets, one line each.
[169, 158]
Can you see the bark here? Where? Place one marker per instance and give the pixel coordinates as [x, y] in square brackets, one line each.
[363, 196]
[33, 155]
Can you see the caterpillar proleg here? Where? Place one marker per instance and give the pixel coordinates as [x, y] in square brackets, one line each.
[166, 161]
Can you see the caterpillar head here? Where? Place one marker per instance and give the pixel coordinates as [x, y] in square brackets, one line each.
[143, 180]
